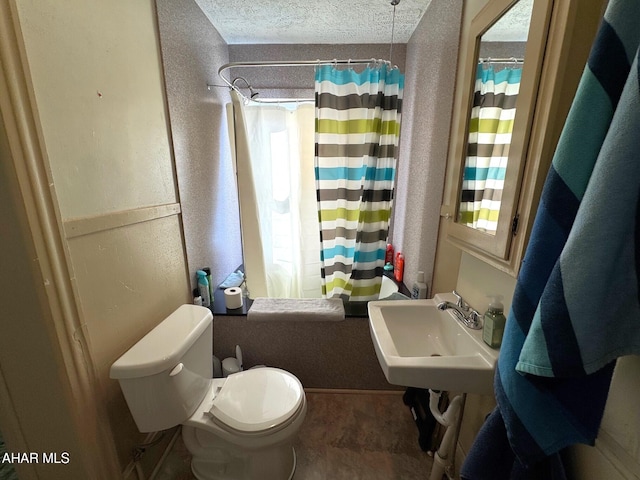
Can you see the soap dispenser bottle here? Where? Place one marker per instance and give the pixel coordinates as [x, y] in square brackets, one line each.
[493, 323]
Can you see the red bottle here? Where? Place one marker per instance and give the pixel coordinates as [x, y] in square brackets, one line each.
[388, 257]
[399, 267]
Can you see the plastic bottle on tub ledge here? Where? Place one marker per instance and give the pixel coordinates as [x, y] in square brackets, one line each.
[398, 270]
[207, 270]
[203, 287]
[197, 298]
[388, 257]
[420, 289]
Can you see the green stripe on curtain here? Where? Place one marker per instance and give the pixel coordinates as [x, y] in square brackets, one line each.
[491, 125]
[352, 215]
[362, 290]
[375, 125]
[357, 130]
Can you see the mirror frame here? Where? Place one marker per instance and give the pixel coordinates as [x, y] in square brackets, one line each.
[498, 245]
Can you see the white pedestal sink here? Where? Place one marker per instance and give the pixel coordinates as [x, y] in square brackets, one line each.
[420, 346]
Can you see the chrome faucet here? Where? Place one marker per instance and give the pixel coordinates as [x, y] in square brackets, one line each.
[463, 312]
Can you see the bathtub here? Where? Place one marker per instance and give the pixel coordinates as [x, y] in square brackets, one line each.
[322, 354]
[388, 287]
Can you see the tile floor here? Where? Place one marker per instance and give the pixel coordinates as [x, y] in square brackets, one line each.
[345, 436]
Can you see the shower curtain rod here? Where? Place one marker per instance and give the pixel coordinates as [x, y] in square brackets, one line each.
[292, 63]
[297, 63]
[501, 60]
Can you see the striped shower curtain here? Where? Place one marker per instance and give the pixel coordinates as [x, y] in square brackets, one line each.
[490, 127]
[357, 132]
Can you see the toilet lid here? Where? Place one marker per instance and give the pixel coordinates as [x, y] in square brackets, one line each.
[257, 399]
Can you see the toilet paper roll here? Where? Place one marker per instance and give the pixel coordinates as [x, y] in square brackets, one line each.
[233, 297]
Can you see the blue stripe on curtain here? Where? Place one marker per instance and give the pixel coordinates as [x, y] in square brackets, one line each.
[358, 256]
[509, 75]
[497, 173]
[328, 73]
[342, 173]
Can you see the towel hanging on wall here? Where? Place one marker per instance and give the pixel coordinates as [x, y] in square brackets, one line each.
[576, 305]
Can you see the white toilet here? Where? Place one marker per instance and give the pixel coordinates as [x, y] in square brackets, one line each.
[239, 427]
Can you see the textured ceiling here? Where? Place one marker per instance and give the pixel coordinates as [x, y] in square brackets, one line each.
[337, 21]
[308, 21]
[513, 26]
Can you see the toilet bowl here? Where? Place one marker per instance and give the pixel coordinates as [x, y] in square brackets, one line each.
[245, 425]
[239, 427]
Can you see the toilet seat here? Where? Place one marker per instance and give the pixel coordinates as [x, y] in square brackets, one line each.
[257, 401]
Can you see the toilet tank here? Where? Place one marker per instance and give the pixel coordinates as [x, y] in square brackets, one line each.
[165, 376]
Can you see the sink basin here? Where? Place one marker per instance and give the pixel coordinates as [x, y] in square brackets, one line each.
[420, 346]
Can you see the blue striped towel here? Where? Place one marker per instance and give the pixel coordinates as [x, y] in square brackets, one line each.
[576, 306]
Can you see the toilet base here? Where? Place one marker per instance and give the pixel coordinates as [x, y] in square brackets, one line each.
[215, 459]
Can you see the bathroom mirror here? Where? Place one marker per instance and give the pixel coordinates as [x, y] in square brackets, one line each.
[501, 72]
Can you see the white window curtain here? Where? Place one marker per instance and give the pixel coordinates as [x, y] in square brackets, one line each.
[274, 154]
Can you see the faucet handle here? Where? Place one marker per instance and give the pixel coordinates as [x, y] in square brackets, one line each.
[461, 303]
[475, 320]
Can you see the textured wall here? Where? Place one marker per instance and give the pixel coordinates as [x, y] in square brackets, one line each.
[192, 52]
[431, 68]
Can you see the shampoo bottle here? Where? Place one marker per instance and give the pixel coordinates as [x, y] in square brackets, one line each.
[398, 271]
[419, 289]
[207, 270]
[388, 256]
[203, 287]
[493, 323]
